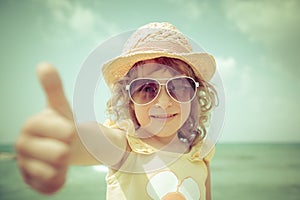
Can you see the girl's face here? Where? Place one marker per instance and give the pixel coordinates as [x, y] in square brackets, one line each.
[164, 116]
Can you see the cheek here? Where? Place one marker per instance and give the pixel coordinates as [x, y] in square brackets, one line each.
[141, 114]
[185, 111]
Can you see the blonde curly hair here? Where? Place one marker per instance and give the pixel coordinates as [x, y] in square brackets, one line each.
[194, 129]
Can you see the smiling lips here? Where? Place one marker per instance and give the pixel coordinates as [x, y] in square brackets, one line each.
[163, 116]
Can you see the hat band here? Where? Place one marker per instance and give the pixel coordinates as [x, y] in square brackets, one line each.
[160, 46]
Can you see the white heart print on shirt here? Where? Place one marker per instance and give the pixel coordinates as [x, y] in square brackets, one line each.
[166, 186]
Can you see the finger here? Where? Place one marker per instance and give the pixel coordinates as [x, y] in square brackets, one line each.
[35, 169]
[42, 176]
[47, 150]
[53, 88]
[50, 125]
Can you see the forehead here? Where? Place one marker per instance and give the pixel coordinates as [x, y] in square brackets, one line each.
[153, 69]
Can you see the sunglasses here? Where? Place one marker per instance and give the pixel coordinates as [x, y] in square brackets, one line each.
[143, 91]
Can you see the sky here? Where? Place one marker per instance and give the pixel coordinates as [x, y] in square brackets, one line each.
[255, 43]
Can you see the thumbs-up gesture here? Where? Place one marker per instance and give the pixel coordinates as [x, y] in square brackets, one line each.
[44, 145]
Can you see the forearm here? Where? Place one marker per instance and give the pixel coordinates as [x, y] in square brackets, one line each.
[96, 144]
[80, 155]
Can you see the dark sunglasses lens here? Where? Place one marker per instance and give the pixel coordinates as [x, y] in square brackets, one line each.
[182, 89]
[143, 91]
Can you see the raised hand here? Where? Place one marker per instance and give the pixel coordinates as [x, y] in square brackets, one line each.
[44, 145]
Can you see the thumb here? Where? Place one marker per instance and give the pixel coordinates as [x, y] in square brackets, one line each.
[52, 85]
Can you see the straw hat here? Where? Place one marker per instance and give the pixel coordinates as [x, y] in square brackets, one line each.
[158, 40]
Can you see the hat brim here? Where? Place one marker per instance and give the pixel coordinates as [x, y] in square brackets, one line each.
[203, 64]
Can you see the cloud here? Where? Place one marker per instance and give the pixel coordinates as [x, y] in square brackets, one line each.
[226, 65]
[273, 24]
[264, 20]
[255, 100]
[237, 78]
[80, 20]
[194, 8]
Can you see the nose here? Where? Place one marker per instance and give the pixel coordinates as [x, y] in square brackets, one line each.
[163, 99]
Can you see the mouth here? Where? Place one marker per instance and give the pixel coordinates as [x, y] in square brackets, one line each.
[163, 116]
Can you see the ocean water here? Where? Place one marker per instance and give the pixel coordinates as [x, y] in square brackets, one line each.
[256, 171]
[239, 172]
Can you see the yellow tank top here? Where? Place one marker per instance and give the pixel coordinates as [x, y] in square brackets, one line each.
[159, 175]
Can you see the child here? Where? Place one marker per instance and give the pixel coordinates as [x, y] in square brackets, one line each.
[153, 145]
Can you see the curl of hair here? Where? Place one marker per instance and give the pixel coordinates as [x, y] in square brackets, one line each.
[195, 128]
[118, 104]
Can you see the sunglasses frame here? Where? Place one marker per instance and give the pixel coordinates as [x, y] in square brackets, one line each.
[127, 87]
